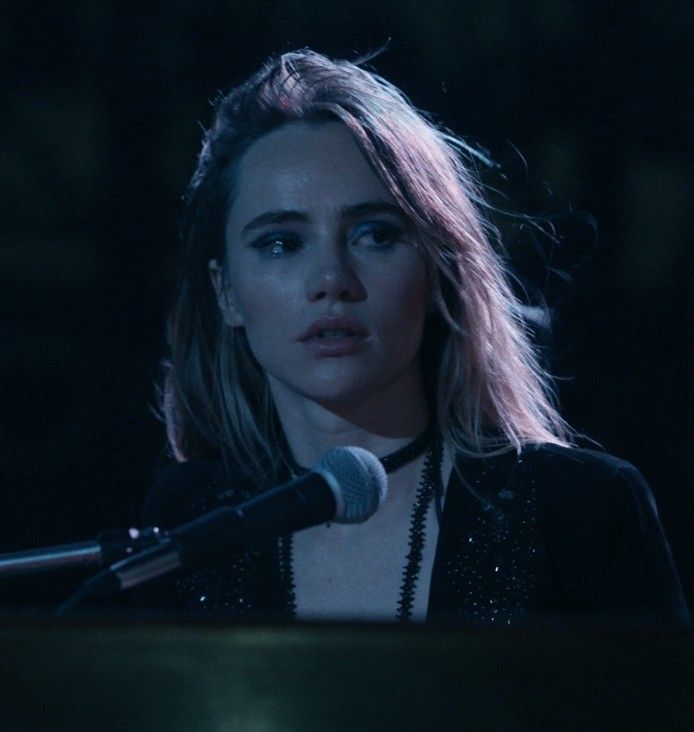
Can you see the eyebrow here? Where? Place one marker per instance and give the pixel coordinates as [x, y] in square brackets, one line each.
[283, 216]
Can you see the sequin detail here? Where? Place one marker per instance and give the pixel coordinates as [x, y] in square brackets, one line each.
[225, 587]
[490, 574]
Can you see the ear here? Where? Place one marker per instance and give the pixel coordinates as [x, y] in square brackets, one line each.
[225, 300]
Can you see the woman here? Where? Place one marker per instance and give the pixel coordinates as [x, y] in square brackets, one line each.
[340, 288]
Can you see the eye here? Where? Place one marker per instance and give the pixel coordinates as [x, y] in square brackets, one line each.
[376, 235]
[277, 245]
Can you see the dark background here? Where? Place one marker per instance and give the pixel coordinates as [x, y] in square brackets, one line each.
[100, 121]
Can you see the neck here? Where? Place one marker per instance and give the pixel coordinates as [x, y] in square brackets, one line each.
[381, 423]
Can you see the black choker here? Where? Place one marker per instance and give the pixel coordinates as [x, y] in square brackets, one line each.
[390, 462]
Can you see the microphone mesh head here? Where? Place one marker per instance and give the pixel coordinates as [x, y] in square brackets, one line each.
[359, 482]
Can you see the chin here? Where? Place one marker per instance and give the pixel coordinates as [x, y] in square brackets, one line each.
[339, 395]
[336, 397]
[341, 385]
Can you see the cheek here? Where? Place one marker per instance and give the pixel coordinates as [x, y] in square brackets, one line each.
[264, 307]
[408, 299]
[402, 315]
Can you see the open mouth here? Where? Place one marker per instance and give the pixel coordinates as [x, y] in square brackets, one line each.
[333, 342]
[331, 334]
[335, 330]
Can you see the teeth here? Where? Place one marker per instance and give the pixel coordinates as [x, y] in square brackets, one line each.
[334, 334]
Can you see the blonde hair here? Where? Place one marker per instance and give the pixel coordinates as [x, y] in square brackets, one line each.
[486, 386]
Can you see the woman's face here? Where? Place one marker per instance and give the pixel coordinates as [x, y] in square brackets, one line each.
[323, 272]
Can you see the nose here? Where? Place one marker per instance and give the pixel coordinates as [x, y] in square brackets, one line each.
[334, 278]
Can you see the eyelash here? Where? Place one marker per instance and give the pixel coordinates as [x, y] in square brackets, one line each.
[266, 244]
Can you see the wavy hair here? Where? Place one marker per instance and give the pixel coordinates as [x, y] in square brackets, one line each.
[485, 382]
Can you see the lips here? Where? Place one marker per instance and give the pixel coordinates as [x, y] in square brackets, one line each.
[326, 329]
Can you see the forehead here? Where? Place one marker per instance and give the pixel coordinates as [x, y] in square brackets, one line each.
[314, 167]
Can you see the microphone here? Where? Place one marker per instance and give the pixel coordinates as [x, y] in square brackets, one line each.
[347, 485]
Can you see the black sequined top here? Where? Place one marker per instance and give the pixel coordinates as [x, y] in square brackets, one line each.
[555, 535]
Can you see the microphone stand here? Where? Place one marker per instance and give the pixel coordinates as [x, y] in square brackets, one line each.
[109, 547]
